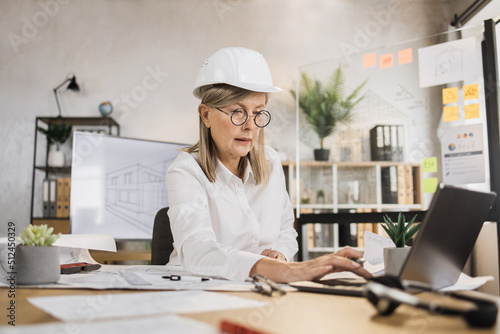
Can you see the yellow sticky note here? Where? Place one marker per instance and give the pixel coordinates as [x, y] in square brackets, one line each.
[369, 60]
[471, 111]
[450, 114]
[429, 165]
[405, 56]
[386, 60]
[429, 185]
[450, 95]
[471, 92]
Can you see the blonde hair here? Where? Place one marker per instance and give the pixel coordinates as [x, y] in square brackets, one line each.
[222, 95]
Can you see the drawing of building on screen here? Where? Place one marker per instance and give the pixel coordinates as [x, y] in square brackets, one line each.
[136, 192]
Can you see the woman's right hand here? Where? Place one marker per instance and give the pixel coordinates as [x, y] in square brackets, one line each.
[286, 272]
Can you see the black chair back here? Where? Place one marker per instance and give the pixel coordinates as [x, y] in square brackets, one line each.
[163, 241]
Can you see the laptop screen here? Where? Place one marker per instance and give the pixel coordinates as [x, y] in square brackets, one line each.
[447, 236]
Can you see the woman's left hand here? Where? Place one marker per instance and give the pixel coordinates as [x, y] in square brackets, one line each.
[273, 254]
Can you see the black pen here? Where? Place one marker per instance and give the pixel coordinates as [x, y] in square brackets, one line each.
[359, 260]
[186, 278]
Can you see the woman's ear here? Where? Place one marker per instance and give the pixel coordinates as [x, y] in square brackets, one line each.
[204, 112]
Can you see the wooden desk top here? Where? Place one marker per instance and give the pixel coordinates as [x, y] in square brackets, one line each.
[296, 312]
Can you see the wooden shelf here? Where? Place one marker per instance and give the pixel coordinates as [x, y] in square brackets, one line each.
[104, 121]
[60, 225]
[121, 255]
[55, 170]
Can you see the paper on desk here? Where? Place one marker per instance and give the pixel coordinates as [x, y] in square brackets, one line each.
[151, 325]
[72, 248]
[374, 247]
[75, 247]
[102, 306]
[119, 277]
[465, 282]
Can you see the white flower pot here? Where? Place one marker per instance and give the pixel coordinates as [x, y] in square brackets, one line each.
[56, 159]
[37, 265]
[394, 260]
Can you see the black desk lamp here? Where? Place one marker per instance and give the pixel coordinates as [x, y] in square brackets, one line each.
[71, 86]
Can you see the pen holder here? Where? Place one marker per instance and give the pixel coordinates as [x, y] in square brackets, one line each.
[37, 265]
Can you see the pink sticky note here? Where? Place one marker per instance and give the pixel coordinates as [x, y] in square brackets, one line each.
[386, 60]
[405, 56]
[369, 60]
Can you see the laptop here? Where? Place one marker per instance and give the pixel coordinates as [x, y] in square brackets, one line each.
[442, 246]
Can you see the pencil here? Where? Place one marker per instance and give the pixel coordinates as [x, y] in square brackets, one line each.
[234, 328]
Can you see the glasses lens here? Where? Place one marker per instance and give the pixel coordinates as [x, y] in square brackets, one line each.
[263, 118]
[239, 116]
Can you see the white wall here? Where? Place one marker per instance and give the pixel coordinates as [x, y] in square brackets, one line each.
[113, 46]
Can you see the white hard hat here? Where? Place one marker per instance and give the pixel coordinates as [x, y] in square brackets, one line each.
[236, 66]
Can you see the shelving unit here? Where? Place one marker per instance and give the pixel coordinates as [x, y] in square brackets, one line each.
[330, 192]
[347, 186]
[42, 171]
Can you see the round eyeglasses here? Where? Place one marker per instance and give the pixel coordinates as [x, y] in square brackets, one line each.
[239, 116]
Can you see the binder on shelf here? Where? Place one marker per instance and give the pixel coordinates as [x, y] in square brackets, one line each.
[387, 143]
[66, 196]
[394, 143]
[52, 198]
[377, 143]
[45, 198]
[389, 180]
[409, 187]
[401, 184]
[59, 197]
[400, 143]
[310, 236]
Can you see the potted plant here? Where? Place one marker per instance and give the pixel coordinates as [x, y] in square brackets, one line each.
[37, 262]
[56, 134]
[324, 105]
[400, 233]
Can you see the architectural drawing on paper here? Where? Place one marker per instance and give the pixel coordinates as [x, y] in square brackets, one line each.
[449, 60]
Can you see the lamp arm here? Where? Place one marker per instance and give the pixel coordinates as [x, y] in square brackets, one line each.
[67, 79]
[57, 97]
[57, 101]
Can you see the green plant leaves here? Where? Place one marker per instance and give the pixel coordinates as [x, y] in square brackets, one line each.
[56, 133]
[401, 231]
[38, 235]
[324, 105]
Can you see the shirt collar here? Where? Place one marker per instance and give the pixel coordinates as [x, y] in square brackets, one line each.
[225, 175]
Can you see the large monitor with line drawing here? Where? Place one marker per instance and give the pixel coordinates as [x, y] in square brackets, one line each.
[118, 184]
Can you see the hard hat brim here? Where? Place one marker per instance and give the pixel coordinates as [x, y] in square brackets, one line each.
[248, 86]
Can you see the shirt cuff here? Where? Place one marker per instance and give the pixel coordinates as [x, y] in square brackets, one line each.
[239, 264]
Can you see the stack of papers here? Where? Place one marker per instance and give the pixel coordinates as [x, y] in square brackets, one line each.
[149, 312]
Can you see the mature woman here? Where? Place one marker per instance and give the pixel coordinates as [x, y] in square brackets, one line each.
[230, 213]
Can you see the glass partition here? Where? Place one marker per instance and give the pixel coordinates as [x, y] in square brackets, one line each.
[421, 120]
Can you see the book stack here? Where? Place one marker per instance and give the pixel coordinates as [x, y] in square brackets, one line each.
[56, 197]
[386, 143]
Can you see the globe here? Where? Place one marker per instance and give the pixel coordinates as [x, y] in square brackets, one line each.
[106, 108]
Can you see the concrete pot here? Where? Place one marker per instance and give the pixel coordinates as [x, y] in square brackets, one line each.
[56, 159]
[394, 260]
[37, 265]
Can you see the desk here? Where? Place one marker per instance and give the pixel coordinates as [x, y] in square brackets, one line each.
[297, 312]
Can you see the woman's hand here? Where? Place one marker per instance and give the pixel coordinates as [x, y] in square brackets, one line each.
[273, 254]
[286, 272]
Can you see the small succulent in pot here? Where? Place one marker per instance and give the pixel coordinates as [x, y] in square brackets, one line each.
[37, 261]
[38, 235]
[401, 231]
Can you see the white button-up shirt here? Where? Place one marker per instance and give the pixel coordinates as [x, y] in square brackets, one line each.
[220, 228]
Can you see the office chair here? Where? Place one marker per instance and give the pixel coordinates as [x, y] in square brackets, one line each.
[163, 242]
